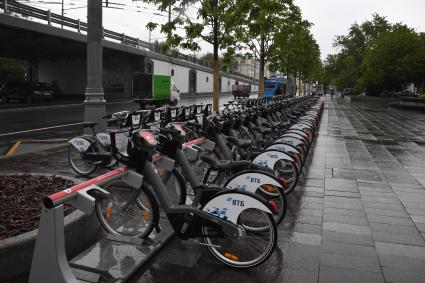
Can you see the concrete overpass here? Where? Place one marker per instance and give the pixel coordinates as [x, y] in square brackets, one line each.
[59, 54]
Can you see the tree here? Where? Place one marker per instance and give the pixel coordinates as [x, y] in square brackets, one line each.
[215, 23]
[397, 59]
[227, 62]
[12, 70]
[258, 33]
[299, 55]
[353, 47]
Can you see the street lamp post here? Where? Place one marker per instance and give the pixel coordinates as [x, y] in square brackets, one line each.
[94, 104]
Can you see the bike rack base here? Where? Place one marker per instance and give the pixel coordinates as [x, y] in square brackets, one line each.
[116, 258]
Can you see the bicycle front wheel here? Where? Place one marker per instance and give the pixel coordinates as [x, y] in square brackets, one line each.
[128, 211]
[289, 171]
[251, 248]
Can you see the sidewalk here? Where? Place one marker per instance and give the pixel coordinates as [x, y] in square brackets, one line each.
[357, 215]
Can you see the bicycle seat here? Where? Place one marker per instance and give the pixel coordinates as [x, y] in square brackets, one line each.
[241, 143]
[89, 124]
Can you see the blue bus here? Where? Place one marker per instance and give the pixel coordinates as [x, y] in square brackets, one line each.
[275, 86]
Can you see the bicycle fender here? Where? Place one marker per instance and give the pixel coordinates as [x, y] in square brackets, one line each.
[300, 126]
[250, 181]
[289, 140]
[229, 206]
[80, 143]
[269, 158]
[283, 147]
[104, 139]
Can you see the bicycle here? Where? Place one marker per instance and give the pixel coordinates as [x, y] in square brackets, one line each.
[228, 221]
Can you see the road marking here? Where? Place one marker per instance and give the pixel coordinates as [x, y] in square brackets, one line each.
[13, 148]
[41, 129]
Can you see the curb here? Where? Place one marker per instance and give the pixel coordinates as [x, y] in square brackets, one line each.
[52, 107]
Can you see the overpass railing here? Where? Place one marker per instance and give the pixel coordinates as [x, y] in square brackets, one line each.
[14, 8]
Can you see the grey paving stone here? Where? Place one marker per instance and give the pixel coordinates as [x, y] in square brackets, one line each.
[338, 275]
[414, 205]
[343, 211]
[388, 200]
[341, 185]
[387, 206]
[390, 220]
[386, 212]
[314, 183]
[404, 239]
[362, 184]
[402, 263]
[356, 239]
[297, 276]
[415, 211]
[345, 219]
[301, 238]
[315, 220]
[400, 250]
[355, 174]
[342, 194]
[348, 249]
[394, 229]
[302, 227]
[398, 276]
[311, 212]
[312, 199]
[421, 227]
[350, 262]
[312, 205]
[370, 195]
[343, 203]
[346, 228]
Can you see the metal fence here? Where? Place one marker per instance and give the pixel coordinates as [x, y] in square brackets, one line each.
[13, 8]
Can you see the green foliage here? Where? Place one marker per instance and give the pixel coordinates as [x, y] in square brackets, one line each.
[228, 62]
[12, 69]
[299, 54]
[398, 58]
[377, 56]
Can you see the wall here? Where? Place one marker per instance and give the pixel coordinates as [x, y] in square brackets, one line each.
[70, 74]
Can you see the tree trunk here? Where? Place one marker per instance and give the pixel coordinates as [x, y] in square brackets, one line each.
[216, 81]
[262, 66]
[294, 88]
[216, 69]
[287, 83]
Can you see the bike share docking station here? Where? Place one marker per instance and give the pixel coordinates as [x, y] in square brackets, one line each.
[114, 258]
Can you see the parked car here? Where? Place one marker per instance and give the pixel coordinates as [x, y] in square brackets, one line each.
[241, 91]
[26, 92]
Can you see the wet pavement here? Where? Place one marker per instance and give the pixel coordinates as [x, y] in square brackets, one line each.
[357, 214]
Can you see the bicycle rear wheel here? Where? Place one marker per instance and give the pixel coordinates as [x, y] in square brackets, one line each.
[128, 211]
[251, 248]
[79, 163]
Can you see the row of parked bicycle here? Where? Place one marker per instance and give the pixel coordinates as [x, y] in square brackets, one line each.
[221, 178]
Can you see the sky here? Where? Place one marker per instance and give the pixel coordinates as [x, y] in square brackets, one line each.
[330, 17]
[334, 17]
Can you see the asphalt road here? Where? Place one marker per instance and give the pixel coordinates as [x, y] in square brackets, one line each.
[14, 122]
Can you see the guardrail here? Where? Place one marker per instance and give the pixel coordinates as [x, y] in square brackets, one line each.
[10, 7]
